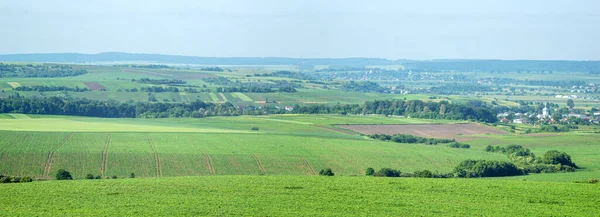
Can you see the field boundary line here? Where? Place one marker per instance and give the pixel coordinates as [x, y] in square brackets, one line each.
[260, 166]
[209, 166]
[156, 157]
[105, 156]
[310, 167]
[50, 159]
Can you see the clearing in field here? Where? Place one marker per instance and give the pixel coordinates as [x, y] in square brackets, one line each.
[447, 131]
[242, 96]
[14, 84]
[94, 86]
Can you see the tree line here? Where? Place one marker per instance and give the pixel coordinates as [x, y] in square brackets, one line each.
[38, 71]
[406, 138]
[411, 108]
[114, 109]
[42, 88]
[158, 81]
[86, 107]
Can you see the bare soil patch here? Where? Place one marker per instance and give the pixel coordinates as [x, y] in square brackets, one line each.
[94, 86]
[445, 131]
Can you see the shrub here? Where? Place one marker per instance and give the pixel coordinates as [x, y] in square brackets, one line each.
[63, 175]
[254, 128]
[593, 181]
[424, 174]
[114, 177]
[489, 148]
[26, 179]
[484, 168]
[370, 171]
[326, 172]
[15, 179]
[5, 179]
[132, 175]
[98, 177]
[388, 172]
[89, 176]
[458, 145]
[555, 157]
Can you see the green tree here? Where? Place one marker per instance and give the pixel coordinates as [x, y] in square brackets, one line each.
[89, 176]
[570, 103]
[326, 172]
[132, 175]
[63, 175]
[370, 171]
[556, 157]
[388, 172]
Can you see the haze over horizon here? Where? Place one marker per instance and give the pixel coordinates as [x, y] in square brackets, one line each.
[434, 29]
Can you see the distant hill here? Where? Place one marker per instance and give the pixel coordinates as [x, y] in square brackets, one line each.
[458, 65]
[115, 56]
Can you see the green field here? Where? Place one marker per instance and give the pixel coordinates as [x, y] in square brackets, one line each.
[284, 145]
[299, 195]
[268, 165]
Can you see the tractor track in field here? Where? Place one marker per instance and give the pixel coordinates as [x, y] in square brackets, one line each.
[105, 156]
[209, 166]
[50, 159]
[307, 164]
[156, 157]
[260, 166]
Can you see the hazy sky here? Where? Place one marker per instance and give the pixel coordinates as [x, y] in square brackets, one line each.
[503, 29]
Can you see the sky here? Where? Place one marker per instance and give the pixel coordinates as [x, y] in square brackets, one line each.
[426, 29]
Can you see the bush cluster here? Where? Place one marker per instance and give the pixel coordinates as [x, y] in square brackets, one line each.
[485, 168]
[406, 138]
[459, 145]
[326, 172]
[14, 179]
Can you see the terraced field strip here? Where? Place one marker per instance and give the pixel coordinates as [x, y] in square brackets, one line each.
[14, 84]
[209, 164]
[310, 167]
[50, 159]
[242, 96]
[156, 157]
[223, 98]
[105, 156]
[260, 166]
[214, 97]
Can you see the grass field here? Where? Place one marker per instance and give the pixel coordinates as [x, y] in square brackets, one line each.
[299, 195]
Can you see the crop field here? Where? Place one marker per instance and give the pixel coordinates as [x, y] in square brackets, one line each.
[242, 96]
[447, 131]
[300, 195]
[212, 146]
[14, 84]
[284, 145]
[94, 85]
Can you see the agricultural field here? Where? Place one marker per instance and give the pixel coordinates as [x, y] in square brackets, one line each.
[205, 164]
[300, 195]
[213, 146]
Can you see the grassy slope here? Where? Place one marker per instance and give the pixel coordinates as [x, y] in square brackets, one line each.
[300, 195]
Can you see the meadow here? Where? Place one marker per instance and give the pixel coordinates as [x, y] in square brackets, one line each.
[299, 195]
